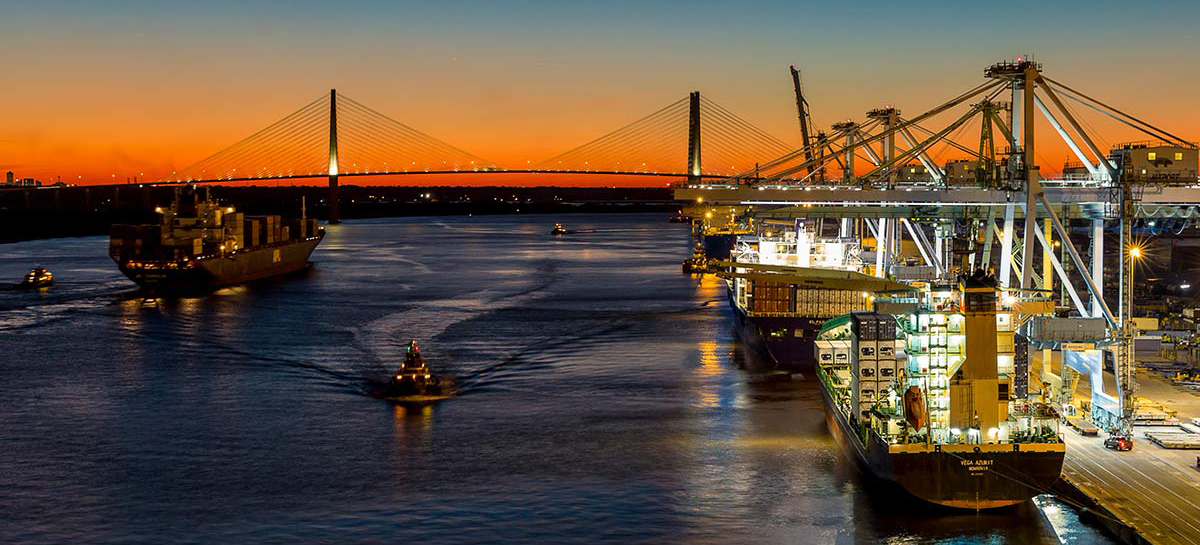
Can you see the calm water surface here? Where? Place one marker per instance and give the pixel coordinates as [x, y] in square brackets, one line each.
[605, 399]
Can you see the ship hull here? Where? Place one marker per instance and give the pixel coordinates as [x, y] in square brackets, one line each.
[957, 476]
[794, 349]
[718, 245]
[242, 267]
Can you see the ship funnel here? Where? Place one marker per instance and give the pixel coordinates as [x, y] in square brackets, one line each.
[974, 390]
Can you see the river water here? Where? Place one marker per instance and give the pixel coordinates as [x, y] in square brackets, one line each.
[605, 399]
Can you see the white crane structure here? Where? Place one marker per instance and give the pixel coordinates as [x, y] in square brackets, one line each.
[991, 208]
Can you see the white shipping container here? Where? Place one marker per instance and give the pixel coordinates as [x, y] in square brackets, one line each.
[868, 350]
[868, 369]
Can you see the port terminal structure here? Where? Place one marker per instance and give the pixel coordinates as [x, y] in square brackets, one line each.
[876, 184]
[991, 210]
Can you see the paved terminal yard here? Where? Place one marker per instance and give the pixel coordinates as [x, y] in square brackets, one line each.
[1155, 491]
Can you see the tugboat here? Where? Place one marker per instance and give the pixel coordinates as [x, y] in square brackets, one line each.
[558, 230]
[414, 383]
[38, 277]
[697, 263]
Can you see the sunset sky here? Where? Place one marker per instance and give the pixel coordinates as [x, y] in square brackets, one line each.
[109, 90]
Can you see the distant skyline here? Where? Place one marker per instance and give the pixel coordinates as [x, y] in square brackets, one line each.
[113, 90]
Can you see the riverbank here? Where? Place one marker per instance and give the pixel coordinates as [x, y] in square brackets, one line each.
[40, 213]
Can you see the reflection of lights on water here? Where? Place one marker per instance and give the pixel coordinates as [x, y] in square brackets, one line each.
[710, 366]
[784, 442]
[410, 419]
[711, 286]
[709, 362]
[189, 306]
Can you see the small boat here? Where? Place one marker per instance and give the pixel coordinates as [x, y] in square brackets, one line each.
[558, 230]
[38, 277]
[414, 383]
[679, 218]
[698, 263]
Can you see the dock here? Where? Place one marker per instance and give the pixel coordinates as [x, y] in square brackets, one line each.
[1151, 490]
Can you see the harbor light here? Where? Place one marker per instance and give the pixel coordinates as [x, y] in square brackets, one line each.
[1135, 252]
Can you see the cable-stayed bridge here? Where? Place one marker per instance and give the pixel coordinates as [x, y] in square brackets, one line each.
[336, 136]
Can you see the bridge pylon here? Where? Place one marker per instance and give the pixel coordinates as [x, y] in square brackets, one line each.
[693, 163]
[334, 213]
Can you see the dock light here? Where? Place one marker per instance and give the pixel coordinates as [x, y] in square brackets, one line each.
[866, 295]
[1184, 286]
[158, 210]
[699, 200]
[1009, 299]
[1135, 252]
[708, 215]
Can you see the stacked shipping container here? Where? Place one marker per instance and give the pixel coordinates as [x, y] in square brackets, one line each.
[877, 364]
[772, 297]
[779, 298]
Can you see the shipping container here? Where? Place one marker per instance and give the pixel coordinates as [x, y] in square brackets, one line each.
[252, 231]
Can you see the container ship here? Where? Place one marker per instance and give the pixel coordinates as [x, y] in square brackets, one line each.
[929, 392]
[718, 242]
[197, 243]
[784, 284]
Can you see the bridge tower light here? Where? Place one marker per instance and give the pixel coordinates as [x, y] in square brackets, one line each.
[693, 162]
[334, 213]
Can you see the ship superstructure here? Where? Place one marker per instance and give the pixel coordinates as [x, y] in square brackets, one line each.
[784, 283]
[199, 243]
[930, 392]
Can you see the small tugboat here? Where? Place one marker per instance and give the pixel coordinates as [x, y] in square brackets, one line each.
[37, 278]
[558, 230]
[697, 263]
[414, 383]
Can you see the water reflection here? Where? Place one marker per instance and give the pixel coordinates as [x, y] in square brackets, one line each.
[608, 404]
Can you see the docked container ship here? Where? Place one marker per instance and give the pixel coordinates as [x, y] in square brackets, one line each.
[783, 285]
[198, 243]
[931, 396]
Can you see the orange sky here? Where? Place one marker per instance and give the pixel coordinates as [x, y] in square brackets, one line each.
[96, 94]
